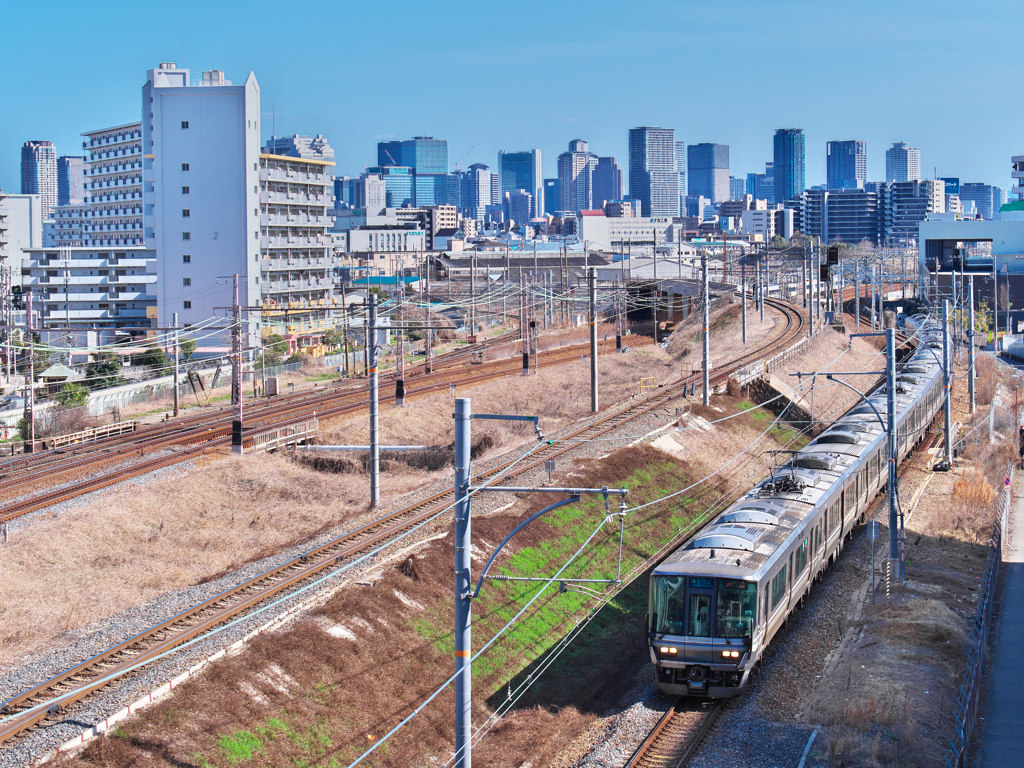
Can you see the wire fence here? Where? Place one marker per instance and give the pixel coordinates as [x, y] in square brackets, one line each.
[969, 697]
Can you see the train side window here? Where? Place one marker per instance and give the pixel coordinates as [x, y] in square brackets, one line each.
[779, 586]
[801, 558]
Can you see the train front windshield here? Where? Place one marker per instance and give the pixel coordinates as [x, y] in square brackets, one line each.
[694, 605]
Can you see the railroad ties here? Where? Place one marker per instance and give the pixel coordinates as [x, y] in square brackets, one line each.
[677, 735]
[95, 673]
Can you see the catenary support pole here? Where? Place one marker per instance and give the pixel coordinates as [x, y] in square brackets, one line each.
[592, 280]
[371, 348]
[856, 284]
[947, 442]
[972, 373]
[400, 348]
[890, 400]
[762, 272]
[874, 298]
[463, 587]
[174, 322]
[706, 309]
[236, 372]
[30, 399]
[743, 297]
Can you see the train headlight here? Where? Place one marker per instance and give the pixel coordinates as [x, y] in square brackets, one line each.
[730, 654]
[668, 650]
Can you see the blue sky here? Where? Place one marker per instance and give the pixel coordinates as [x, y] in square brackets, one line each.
[943, 76]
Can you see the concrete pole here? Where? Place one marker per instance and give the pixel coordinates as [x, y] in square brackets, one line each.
[236, 372]
[743, 298]
[428, 332]
[472, 296]
[592, 279]
[463, 588]
[371, 348]
[400, 350]
[856, 283]
[947, 381]
[30, 400]
[971, 374]
[803, 282]
[706, 374]
[174, 322]
[762, 286]
[874, 297]
[890, 399]
[524, 329]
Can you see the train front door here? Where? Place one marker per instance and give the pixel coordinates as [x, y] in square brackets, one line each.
[700, 603]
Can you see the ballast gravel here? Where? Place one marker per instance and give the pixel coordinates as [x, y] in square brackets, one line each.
[74, 647]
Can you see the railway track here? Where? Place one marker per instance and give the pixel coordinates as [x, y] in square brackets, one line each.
[204, 433]
[82, 680]
[677, 735]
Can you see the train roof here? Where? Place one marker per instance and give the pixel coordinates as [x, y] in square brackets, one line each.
[742, 542]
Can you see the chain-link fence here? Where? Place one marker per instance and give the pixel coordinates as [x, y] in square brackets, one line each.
[969, 696]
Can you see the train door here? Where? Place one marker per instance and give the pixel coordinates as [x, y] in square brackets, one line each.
[700, 604]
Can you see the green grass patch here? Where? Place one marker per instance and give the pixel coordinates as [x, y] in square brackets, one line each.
[241, 745]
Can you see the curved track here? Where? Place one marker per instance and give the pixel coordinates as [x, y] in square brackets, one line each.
[92, 674]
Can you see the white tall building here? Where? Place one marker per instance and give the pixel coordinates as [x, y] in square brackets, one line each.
[576, 177]
[24, 229]
[902, 163]
[201, 193]
[3, 228]
[112, 205]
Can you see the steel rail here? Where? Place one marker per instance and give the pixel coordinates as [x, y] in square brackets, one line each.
[673, 742]
[120, 659]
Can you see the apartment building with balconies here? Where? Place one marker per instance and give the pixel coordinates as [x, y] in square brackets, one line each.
[112, 291]
[3, 228]
[296, 255]
[112, 188]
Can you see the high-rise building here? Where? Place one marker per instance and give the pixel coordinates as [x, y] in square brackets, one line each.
[983, 196]
[307, 147]
[520, 205]
[39, 173]
[4, 239]
[69, 180]
[427, 158]
[552, 197]
[681, 170]
[112, 188]
[844, 215]
[576, 177]
[761, 185]
[607, 181]
[653, 177]
[399, 185]
[522, 170]
[902, 162]
[789, 164]
[201, 148]
[707, 171]
[908, 203]
[737, 188]
[475, 191]
[846, 164]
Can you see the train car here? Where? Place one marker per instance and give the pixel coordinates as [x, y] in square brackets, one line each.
[716, 602]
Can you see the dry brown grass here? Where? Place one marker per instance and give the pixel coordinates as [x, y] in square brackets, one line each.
[726, 332]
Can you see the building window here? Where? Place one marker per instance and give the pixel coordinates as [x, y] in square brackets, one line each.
[184, 190]
[184, 166]
[188, 305]
[186, 235]
[187, 258]
[184, 124]
[185, 213]
[186, 281]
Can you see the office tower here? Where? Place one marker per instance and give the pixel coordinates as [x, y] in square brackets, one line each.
[399, 184]
[202, 147]
[844, 215]
[39, 173]
[522, 170]
[307, 147]
[576, 177]
[69, 180]
[427, 158]
[789, 164]
[760, 186]
[909, 202]
[653, 178]
[496, 198]
[983, 196]
[902, 163]
[681, 170]
[607, 181]
[653, 171]
[846, 164]
[475, 191]
[520, 205]
[707, 171]
[737, 188]
[552, 197]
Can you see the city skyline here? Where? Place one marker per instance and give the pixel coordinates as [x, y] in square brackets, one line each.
[354, 120]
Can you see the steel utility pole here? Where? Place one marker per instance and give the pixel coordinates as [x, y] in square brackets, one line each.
[947, 424]
[472, 296]
[371, 347]
[762, 287]
[30, 400]
[400, 350]
[428, 333]
[463, 588]
[592, 279]
[236, 372]
[856, 283]
[174, 322]
[874, 297]
[706, 373]
[970, 347]
[524, 329]
[743, 298]
[803, 281]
